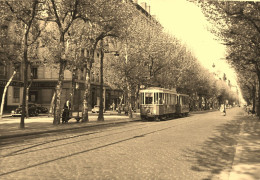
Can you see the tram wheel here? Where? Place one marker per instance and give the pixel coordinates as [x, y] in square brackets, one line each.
[143, 118]
[157, 119]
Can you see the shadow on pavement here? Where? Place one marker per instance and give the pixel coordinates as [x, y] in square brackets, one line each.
[217, 153]
[248, 164]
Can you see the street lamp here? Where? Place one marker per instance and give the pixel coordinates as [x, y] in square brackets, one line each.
[102, 53]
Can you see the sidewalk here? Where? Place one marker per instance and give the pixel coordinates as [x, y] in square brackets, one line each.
[246, 165]
[9, 126]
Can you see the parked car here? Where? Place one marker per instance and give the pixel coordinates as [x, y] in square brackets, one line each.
[32, 110]
[41, 109]
[96, 109]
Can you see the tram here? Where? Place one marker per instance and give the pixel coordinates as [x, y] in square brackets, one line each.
[183, 105]
[159, 103]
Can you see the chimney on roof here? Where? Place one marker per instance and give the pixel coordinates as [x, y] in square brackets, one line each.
[148, 9]
[136, 1]
[143, 5]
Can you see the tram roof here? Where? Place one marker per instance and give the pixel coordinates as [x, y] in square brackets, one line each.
[158, 89]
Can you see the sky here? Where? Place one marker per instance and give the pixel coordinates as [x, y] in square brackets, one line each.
[185, 21]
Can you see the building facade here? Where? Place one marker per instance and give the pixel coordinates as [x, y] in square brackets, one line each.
[43, 78]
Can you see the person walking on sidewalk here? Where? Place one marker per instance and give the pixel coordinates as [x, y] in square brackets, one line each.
[66, 112]
[223, 109]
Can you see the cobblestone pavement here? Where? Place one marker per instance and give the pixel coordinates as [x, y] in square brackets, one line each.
[197, 147]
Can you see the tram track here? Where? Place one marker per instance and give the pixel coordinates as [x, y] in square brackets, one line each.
[144, 125]
[59, 134]
[91, 147]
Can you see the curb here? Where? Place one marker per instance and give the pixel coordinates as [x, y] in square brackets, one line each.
[86, 125]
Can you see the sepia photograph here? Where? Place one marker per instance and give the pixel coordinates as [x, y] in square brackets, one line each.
[129, 89]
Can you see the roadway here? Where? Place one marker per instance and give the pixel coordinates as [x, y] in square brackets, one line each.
[200, 146]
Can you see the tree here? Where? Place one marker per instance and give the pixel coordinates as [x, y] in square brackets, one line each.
[106, 23]
[8, 48]
[63, 13]
[25, 12]
[237, 25]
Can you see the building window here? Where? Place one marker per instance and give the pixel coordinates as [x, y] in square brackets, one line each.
[2, 70]
[18, 74]
[92, 77]
[33, 96]
[97, 78]
[16, 95]
[34, 72]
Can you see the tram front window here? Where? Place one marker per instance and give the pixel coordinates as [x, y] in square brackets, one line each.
[148, 98]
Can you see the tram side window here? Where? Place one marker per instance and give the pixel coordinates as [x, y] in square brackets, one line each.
[180, 99]
[148, 98]
[174, 99]
[163, 98]
[160, 98]
[156, 98]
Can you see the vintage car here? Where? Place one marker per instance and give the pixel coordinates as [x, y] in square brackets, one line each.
[41, 109]
[32, 110]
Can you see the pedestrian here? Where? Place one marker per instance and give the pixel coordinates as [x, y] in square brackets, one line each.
[66, 112]
[113, 106]
[223, 109]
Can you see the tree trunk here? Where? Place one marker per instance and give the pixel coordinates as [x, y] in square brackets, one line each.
[57, 101]
[200, 102]
[27, 97]
[137, 97]
[129, 95]
[52, 104]
[87, 85]
[258, 104]
[73, 88]
[254, 99]
[26, 64]
[119, 106]
[101, 106]
[258, 95]
[4, 93]
[86, 96]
